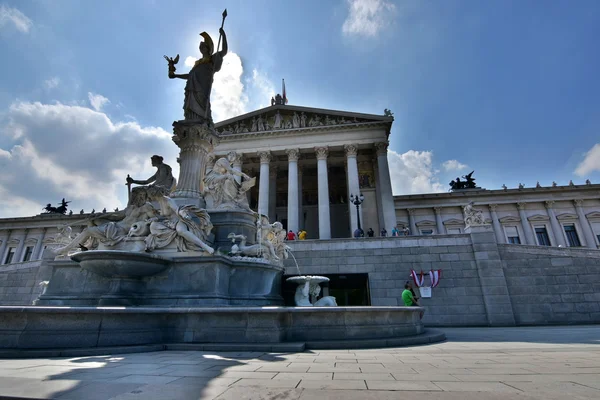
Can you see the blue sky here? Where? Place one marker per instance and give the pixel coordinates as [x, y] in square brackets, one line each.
[507, 88]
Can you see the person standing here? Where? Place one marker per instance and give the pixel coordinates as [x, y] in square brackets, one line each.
[409, 298]
[383, 232]
[370, 232]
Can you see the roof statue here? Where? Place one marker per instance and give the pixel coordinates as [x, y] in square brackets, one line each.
[468, 183]
[61, 209]
[199, 80]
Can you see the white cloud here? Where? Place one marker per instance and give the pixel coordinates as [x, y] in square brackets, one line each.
[190, 61]
[52, 83]
[453, 165]
[9, 15]
[97, 101]
[591, 162]
[412, 172]
[74, 152]
[228, 98]
[367, 17]
[262, 88]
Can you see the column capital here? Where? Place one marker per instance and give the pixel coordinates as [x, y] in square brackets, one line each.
[351, 150]
[381, 148]
[437, 210]
[493, 207]
[411, 211]
[578, 202]
[322, 152]
[265, 157]
[549, 203]
[293, 154]
[521, 205]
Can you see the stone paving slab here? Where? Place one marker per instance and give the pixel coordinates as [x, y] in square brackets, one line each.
[477, 363]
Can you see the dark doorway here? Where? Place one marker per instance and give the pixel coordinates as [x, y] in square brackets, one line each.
[348, 289]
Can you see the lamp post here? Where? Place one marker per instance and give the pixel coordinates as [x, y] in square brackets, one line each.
[357, 201]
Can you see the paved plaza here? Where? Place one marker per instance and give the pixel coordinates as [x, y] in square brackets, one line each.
[475, 363]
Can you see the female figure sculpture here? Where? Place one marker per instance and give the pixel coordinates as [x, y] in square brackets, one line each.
[188, 225]
[226, 191]
[200, 79]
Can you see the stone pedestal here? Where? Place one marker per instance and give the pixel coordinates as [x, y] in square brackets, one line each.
[195, 140]
[225, 222]
[180, 280]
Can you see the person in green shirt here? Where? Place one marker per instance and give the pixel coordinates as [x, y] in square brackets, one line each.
[408, 297]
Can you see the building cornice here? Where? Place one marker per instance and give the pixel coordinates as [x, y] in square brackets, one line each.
[302, 131]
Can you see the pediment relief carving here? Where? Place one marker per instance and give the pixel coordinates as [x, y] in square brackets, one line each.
[509, 218]
[285, 119]
[538, 217]
[566, 217]
[593, 215]
[31, 241]
[425, 223]
[454, 221]
[13, 241]
[402, 223]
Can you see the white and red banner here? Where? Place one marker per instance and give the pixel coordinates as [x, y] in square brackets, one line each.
[419, 278]
[435, 277]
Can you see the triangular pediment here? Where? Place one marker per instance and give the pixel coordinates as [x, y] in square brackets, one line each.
[593, 215]
[401, 223]
[509, 218]
[538, 217]
[425, 223]
[454, 221]
[566, 217]
[291, 118]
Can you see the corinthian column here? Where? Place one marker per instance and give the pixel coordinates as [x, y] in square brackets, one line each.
[195, 141]
[236, 163]
[39, 245]
[387, 199]
[590, 241]
[4, 244]
[557, 230]
[529, 239]
[272, 192]
[438, 220]
[263, 185]
[323, 185]
[496, 224]
[411, 222]
[353, 185]
[292, 206]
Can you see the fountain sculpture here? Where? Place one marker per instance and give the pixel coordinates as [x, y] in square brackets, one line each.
[188, 261]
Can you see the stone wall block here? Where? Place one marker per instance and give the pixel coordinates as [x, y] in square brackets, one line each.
[561, 261]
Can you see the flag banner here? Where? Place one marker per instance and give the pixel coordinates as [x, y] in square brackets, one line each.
[435, 277]
[418, 278]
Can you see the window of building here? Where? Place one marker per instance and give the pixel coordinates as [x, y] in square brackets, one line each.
[9, 255]
[453, 231]
[542, 236]
[28, 253]
[426, 231]
[512, 235]
[572, 236]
